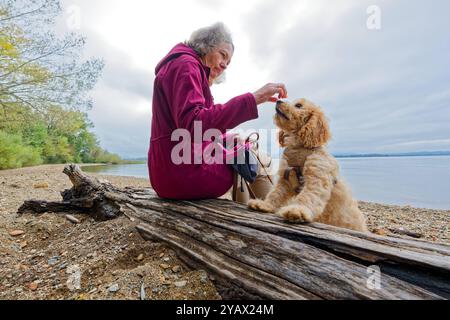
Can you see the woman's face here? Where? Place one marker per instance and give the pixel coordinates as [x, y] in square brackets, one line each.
[218, 60]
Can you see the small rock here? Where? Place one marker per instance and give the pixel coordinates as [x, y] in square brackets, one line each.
[166, 259]
[176, 269]
[19, 290]
[161, 255]
[140, 257]
[33, 286]
[63, 265]
[140, 273]
[21, 267]
[164, 266]
[142, 293]
[72, 219]
[113, 288]
[155, 290]
[16, 233]
[380, 232]
[203, 277]
[23, 244]
[180, 284]
[53, 260]
[40, 185]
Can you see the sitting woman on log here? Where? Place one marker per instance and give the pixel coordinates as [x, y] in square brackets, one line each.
[182, 100]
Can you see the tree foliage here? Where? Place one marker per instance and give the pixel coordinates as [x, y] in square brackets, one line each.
[44, 89]
[36, 67]
[13, 153]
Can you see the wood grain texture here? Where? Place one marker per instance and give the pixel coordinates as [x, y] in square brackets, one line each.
[257, 256]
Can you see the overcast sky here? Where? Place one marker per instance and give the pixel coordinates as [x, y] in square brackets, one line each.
[383, 90]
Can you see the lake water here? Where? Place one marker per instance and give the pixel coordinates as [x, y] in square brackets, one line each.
[416, 181]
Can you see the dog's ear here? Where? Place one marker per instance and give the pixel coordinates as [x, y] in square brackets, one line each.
[316, 131]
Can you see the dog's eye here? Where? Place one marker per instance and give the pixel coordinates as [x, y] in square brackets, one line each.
[299, 105]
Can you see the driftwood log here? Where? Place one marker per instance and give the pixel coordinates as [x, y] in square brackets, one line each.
[252, 255]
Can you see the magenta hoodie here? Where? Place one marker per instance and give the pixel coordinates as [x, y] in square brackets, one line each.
[181, 95]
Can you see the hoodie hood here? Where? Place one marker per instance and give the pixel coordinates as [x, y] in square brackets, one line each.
[177, 51]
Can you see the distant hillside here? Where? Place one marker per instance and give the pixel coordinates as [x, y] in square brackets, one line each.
[354, 155]
[139, 159]
[403, 154]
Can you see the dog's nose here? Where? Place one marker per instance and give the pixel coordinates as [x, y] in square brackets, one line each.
[279, 102]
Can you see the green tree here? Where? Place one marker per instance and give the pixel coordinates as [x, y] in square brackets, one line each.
[38, 69]
[44, 89]
[58, 150]
[35, 135]
[13, 154]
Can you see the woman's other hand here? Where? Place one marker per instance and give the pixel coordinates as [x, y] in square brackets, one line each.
[267, 93]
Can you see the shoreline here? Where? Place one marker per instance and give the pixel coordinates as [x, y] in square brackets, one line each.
[379, 215]
[412, 198]
[36, 251]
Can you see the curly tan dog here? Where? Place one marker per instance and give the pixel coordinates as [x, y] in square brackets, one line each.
[309, 187]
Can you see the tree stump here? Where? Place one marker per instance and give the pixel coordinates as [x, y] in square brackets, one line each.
[258, 256]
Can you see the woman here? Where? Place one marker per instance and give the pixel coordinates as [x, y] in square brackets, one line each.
[182, 96]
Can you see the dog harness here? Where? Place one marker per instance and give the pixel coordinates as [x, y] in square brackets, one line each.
[300, 178]
[298, 173]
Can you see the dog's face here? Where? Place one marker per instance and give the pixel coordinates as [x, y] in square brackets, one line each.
[303, 122]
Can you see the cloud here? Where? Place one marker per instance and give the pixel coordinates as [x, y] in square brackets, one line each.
[375, 86]
[121, 111]
[122, 102]
[382, 90]
[425, 145]
[120, 76]
[122, 120]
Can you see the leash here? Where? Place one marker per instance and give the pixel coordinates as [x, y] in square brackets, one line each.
[254, 145]
[300, 178]
[256, 141]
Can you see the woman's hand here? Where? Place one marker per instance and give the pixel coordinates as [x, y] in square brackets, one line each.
[267, 93]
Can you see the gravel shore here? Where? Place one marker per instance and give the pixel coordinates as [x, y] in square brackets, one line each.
[42, 256]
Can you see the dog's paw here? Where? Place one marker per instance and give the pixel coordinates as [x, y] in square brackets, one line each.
[260, 205]
[296, 214]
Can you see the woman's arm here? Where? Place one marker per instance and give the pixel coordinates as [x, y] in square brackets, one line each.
[188, 103]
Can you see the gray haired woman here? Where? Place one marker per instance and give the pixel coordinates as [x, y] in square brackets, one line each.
[182, 99]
